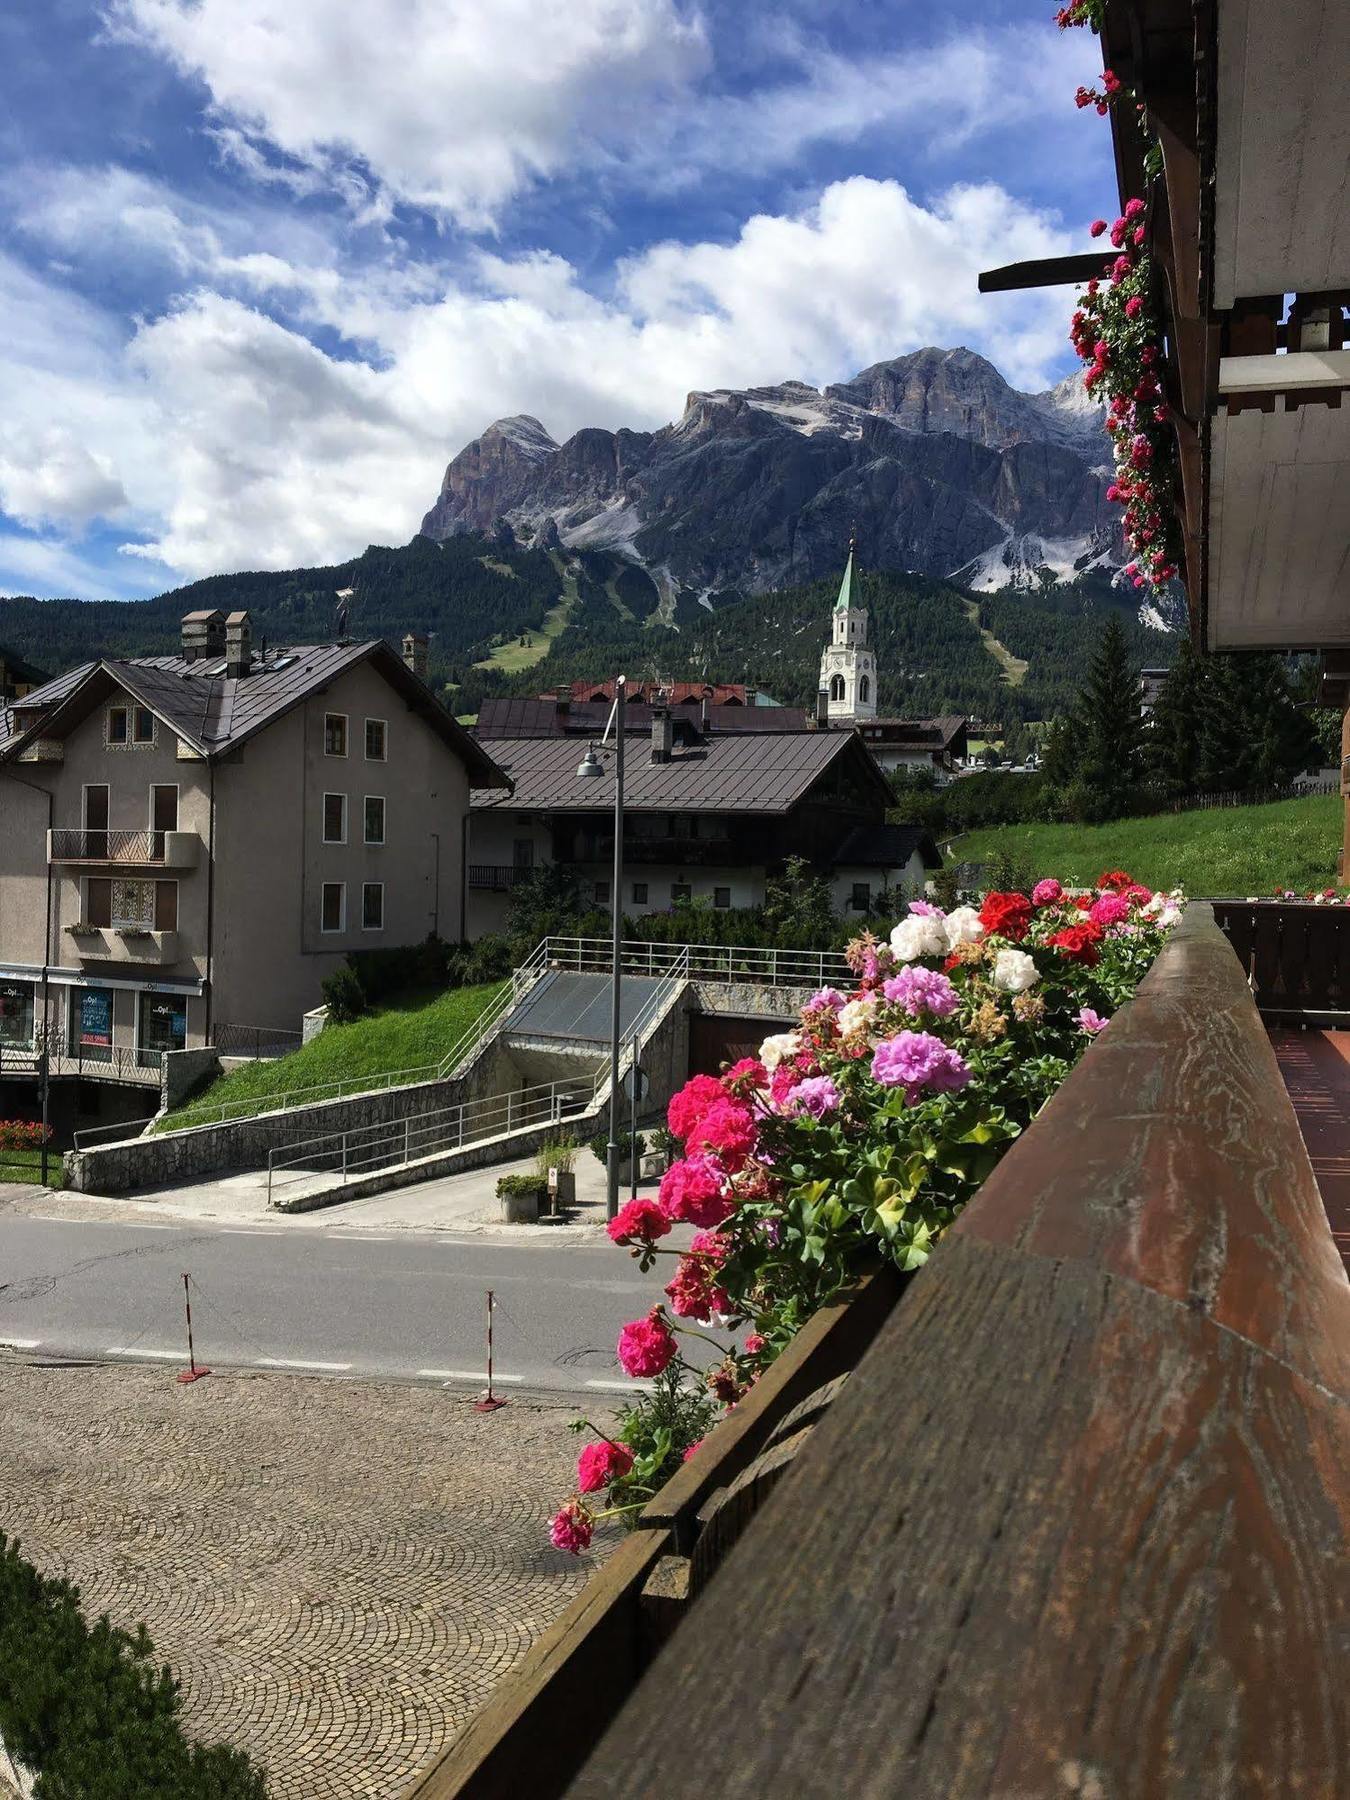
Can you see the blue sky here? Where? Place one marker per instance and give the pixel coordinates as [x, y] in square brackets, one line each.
[265, 265]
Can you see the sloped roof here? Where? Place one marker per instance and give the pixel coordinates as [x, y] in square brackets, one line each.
[887, 847]
[747, 773]
[215, 713]
[513, 716]
[925, 734]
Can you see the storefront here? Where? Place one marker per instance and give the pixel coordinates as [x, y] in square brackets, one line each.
[91, 1024]
[161, 1026]
[16, 1014]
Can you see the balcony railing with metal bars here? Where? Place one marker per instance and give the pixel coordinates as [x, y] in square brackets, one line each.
[78, 845]
[498, 878]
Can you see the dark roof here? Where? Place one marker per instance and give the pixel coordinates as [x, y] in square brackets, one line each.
[887, 847]
[514, 716]
[215, 713]
[19, 669]
[921, 734]
[749, 774]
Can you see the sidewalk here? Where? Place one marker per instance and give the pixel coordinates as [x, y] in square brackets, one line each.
[465, 1204]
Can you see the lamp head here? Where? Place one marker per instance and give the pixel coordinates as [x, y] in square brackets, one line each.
[590, 765]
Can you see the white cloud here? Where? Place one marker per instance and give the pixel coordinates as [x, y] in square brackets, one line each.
[237, 442]
[453, 105]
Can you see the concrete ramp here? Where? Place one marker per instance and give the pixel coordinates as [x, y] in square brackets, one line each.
[564, 1007]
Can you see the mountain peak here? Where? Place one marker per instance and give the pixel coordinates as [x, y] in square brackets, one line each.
[525, 432]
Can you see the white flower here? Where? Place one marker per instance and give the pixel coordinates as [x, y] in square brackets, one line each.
[919, 936]
[858, 1014]
[962, 926]
[1015, 971]
[778, 1048]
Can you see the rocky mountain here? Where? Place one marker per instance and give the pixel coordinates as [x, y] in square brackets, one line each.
[942, 467]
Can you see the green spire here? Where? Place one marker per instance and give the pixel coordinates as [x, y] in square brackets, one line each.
[845, 600]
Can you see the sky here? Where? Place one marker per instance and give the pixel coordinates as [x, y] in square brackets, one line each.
[266, 265]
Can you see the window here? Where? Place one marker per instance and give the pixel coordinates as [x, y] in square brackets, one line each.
[722, 896]
[335, 818]
[334, 906]
[372, 906]
[16, 1012]
[98, 901]
[374, 821]
[117, 905]
[864, 688]
[143, 726]
[117, 725]
[602, 893]
[163, 1026]
[335, 734]
[861, 898]
[91, 1024]
[836, 687]
[680, 890]
[375, 740]
[163, 810]
[639, 893]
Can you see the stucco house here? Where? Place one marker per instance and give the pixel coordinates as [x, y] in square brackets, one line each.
[192, 842]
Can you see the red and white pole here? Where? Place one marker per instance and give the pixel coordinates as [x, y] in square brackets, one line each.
[489, 1402]
[192, 1372]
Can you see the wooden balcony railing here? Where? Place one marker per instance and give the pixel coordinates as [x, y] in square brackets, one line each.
[498, 878]
[1074, 1524]
[1296, 955]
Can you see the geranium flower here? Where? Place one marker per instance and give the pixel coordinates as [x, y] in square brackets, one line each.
[1116, 878]
[915, 1061]
[962, 926]
[1046, 892]
[1078, 942]
[816, 1096]
[826, 997]
[1006, 915]
[1110, 909]
[692, 1191]
[571, 1528]
[776, 1048]
[640, 1219]
[924, 909]
[689, 1105]
[1015, 971]
[646, 1346]
[1090, 1022]
[728, 1129]
[693, 1292]
[748, 1072]
[600, 1464]
[918, 935]
[859, 1015]
[919, 990]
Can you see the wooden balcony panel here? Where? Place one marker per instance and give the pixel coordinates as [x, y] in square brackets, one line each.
[1081, 1509]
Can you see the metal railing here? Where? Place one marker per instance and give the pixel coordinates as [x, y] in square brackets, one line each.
[78, 845]
[498, 877]
[364, 1149]
[103, 1062]
[254, 1040]
[702, 962]
[119, 1131]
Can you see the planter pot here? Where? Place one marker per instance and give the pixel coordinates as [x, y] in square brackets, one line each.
[522, 1209]
[565, 1193]
[654, 1163]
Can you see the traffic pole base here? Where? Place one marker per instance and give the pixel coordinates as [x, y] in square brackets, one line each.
[488, 1403]
[193, 1374]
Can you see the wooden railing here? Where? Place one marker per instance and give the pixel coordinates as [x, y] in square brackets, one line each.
[1296, 956]
[1076, 1522]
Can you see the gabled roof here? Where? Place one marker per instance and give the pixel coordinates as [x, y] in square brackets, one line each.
[745, 773]
[215, 713]
[919, 734]
[887, 847]
[512, 716]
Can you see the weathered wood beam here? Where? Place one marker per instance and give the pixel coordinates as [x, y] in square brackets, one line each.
[1047, 271]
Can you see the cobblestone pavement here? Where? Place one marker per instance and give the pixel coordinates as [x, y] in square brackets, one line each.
[337, 1571]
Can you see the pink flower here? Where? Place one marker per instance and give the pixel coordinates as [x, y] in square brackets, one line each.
[1097, 227]
[710, 1244]
[693, 1100]
[691, 1190]
[729, 1129]
[1090, 1022]
[1046, 892]
[1133, 208]
[816, 1095]
[754, 1344]
[915, 1060]
[1140, 234]
[924, 909]
[919, 990]
[1109, 910]
[646, 1346]
[1120, 268]
[693, 1292]
[642, 1219]
[696, 1445]
[1133, 307]
[600, 1464]
[827, 997]
[571, 1528]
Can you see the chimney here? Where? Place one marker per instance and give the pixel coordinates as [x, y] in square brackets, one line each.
[661, 735]
[703, 719]
[822, 708]
[562, 698]
[203, 635]
[415, 652]
[238, 646]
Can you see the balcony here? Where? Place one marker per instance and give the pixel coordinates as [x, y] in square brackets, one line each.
[497, 878]
[125, 849]
[124, 944]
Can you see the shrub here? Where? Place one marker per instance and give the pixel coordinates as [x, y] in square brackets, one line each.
[514, 1186]
[492, 958]
[599, 1146]
[24, 1134]
[558, 1153]
[344, 995]
[86, 1709]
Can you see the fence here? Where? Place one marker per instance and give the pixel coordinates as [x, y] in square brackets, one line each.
[105, 1062]
[367, 1148]
[254, 1040]
[1296, 956]
[1082, 1477]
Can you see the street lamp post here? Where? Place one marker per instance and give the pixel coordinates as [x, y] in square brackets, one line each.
[589, 769]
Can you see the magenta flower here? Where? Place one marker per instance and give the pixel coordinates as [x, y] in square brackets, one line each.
[826, 997]
[1097, 227]
[1046, 892]
[691, 1191]
[817, 1095]
[601, 1463]
[1090, 1022]
[921, 990]
[641, 1219]
[924, 909]
[571, 1528]
[693, 1100]
[1111, 909]
[728, 1128]
[916, 1061]
[646, 1346]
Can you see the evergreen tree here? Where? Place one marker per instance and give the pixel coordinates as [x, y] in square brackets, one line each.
[1172, 731]
[1110, 768]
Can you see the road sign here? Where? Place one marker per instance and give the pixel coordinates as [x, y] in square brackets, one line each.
[643, 1084]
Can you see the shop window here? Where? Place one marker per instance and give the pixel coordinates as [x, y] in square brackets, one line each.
[91, 1024]
[163, 1026]
[16, 1013]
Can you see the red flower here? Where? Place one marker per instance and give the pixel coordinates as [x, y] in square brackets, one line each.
[641, 1219]
[601, 1463]
[646, 1345]
[1078, 942]
[1097, 227]
[693, 1100]
[1006, 915]
[1116, 879]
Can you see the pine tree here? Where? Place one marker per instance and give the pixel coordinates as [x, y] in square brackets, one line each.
[1172, 732]
[1111, 764]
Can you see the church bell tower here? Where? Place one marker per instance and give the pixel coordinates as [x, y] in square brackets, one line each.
[848, 669]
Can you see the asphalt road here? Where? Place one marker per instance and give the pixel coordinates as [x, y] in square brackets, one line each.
[406, 1305]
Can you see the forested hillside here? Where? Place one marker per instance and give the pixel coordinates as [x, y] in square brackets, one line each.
[585, 615]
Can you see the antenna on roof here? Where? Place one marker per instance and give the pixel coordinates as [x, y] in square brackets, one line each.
[345, 596]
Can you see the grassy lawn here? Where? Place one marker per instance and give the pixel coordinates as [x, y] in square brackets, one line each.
[26, 1166]
[514, 656]
[409, 1034]
[1235, 850]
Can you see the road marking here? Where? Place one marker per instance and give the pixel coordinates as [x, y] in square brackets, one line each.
[293, 1362]
[468, 1375]
[350, 1237]
[140, 1350]
[623, 1387]
[19, 1343]
[239, 1231]
[57, 1219]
